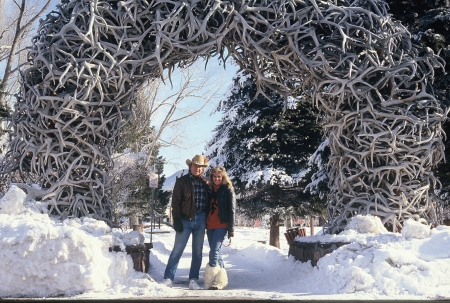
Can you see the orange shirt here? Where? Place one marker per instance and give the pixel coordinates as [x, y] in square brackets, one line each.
[213, 220]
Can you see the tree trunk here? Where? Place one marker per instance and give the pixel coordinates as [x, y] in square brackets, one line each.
[311, 225]
[275, 230]
[322, 221]
[135, 220]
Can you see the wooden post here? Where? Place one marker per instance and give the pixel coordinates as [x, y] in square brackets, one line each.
[134, 220]
[311, 225]
[288, 222]
[275, 230]
[138, 227]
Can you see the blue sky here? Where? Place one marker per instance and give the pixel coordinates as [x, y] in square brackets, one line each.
[197, 130]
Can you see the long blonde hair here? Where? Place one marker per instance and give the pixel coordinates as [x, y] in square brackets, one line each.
[222, 171]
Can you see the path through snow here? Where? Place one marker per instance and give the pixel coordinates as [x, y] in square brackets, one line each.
[249, 275]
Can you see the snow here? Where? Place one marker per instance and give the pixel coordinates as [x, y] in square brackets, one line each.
[272, 176]
[169, 183]
[44, 257]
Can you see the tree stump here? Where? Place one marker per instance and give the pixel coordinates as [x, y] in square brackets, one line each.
[140, 255]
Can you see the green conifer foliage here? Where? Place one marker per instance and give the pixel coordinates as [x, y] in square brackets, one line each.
[266, 146]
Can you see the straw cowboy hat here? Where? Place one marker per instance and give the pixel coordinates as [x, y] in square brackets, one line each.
[199, 160]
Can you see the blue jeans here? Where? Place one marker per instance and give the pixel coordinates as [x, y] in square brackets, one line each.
[196, 227]
[215, 239]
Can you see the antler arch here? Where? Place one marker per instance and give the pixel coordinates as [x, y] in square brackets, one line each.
[371, 84]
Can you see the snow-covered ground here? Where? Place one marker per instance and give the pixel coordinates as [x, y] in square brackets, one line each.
[42, 257]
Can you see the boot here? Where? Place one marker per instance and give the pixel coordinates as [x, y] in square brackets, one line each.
[221, 279]
[210, 275]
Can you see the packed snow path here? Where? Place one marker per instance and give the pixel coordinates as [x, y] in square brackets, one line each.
[251, 269]
[249, 275]
[377, 265]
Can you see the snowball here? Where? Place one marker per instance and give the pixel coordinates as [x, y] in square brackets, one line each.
[366, 225]
[12, 202]
[414, 229]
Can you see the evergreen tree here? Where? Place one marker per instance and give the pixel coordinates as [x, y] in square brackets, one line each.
[266, 146]
[130, 192]
[162, 196]
[319, 179]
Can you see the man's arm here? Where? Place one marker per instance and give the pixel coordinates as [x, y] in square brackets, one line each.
[176, 199]
[176, 206]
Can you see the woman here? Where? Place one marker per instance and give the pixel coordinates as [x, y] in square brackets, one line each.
[219, 222]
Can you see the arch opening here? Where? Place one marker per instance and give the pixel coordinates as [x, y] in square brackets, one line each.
[371, 84]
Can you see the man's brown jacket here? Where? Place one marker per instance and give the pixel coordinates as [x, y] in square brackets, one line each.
[183, 204]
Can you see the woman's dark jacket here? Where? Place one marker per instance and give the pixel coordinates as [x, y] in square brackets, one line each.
[226, 203]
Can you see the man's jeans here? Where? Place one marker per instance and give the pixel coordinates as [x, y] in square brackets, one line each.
[215, 239]
[197, 228]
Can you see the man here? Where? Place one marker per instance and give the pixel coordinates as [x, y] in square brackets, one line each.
[189, 200]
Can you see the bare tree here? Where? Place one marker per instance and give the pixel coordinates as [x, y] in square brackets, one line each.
[164, 106]
[18, 20]
[192, 87]
[159, 107]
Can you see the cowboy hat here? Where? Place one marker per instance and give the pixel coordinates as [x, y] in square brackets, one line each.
[199, 160]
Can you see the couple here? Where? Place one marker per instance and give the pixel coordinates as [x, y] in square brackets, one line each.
[198, 204]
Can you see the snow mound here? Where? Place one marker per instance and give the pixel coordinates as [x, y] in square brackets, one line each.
[390, 266]
[366, 225]
[12, 203]
[44, 257]
[133, 238]
[415, 230]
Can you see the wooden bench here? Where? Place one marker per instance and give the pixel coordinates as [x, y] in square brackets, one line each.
[291, 233]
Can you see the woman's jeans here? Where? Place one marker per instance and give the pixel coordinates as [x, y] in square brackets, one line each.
[196, 227]
[215, 239]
